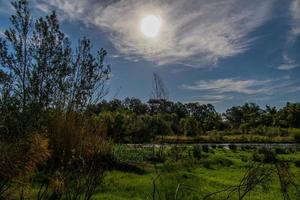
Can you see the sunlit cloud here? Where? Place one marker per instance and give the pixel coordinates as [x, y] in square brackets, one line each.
[195, 33]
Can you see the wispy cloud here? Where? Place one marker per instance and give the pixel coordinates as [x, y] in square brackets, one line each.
[288, 63]
[295, 14]
[194, 32]
[231, 85]
[2, 33]
[211, 99]
[6, 7]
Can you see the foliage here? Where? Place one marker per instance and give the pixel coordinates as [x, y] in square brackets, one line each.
[197, 152]
[297, 136]
[80, 156]
[40, 71]
[241, 124]
[189, 126]
[20, 159]
[45, 87]
[232, 147]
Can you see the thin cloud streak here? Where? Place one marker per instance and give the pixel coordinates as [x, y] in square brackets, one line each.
[295, 14]
[230, 85]
[210, 99]
[288, 63]
[195, 32]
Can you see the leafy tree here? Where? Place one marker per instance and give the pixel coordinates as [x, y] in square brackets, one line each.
[248, 116]
[40, 71]
[179, 109]
[234, 116]
[160, 106]
[136, 106]
[206, 115]
[159, 125]
[269, 117]
[189, 126]
[289, 116]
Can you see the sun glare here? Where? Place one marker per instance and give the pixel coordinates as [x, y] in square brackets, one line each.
[150, 25]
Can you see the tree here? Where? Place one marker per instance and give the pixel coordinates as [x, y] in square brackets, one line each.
[206, 115]
[44, 72]
[135, 105]
[269, 117]
[189, 126]
[289, 116]
[234, 116]
[160, 106]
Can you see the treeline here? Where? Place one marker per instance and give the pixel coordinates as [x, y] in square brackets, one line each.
[132, 120]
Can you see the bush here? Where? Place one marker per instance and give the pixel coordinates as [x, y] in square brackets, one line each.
[80, 155]
[176, 152]
[197, 152]
[281, 151]
[232, 147]
[189, 126]
[205, 148]
[297, 137]
[20, 160]
[264, 155]
[297, 163]
[208, 163]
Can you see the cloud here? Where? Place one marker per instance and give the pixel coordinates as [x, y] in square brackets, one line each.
[194, 32]
[287, 66]
[295, 14]
[6, 7]
[288, 63]
[2, 33]
[211, 99]
[231, 85]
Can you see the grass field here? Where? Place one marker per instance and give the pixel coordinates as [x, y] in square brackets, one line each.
[214, 171]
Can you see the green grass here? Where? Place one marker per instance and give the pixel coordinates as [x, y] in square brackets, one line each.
[196, 177]
[219, 138]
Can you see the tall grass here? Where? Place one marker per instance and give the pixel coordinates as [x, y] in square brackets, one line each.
[67, 160]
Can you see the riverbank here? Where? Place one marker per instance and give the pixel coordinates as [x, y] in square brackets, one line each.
[217, 138]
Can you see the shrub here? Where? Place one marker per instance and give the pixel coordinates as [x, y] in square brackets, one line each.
[205, 148]
[208, 163]
[281, 151]
[297, 163]
[80, 155]
[197, 152]
[232, 147]
[176, 153]
[189, 126]
[244, 158]
[264, 155]
[20, 160]
[297, 137]
[224, 162]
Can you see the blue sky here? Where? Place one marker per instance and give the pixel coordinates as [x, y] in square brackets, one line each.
[223, 52]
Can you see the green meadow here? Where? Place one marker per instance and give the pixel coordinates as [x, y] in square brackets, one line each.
[189, 177]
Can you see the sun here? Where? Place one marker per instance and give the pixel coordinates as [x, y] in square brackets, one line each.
[150, 26]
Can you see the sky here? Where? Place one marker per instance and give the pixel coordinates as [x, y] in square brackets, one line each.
[222, 52]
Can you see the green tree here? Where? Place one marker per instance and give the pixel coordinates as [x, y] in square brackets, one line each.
[189, 126]
[44, 72]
